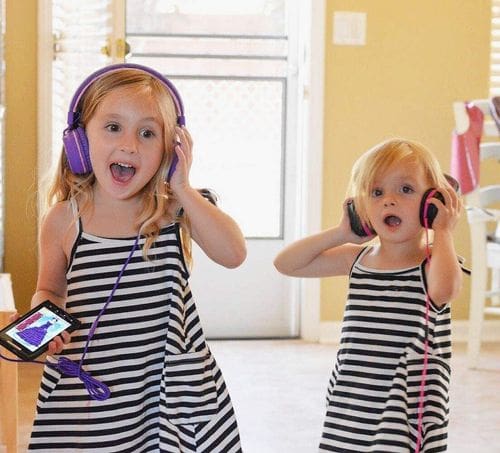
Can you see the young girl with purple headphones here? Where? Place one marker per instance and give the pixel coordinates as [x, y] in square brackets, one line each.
[115, 252]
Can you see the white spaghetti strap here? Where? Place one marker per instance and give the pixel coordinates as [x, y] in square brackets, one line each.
[76, 216]
[74, 207]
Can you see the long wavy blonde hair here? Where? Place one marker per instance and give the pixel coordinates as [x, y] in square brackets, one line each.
[157, 196]
[375, 161]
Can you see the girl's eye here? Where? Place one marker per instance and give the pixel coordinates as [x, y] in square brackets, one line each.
[376, 192]
[147, 133]
[407, 189]
[113, 127]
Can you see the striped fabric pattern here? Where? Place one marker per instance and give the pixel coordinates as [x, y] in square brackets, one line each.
[373, 392]
[167, 392]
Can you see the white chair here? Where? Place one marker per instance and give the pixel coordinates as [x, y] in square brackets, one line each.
[484, 221]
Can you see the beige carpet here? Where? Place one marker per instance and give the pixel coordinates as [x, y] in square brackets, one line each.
[278, 390]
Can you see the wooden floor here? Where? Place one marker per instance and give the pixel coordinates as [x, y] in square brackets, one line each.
[278, 390]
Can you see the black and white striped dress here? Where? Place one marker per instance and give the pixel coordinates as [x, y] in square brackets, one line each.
[167, 392]
[373, 393]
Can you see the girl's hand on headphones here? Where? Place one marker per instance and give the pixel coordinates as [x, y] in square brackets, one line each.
[448, 212]
[345, 227]
[183, 149]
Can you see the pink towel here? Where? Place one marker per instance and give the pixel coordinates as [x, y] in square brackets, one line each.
[465, 157]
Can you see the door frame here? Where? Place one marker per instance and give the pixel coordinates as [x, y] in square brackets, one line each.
[44, 86]
[312, 164]
[311, 161]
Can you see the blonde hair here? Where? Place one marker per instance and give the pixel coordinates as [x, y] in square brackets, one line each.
[381, 157]
[157, 196]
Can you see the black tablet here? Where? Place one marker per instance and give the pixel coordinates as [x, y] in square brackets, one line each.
[29, 336]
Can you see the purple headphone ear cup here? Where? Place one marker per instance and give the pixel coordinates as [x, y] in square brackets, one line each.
[76, 147]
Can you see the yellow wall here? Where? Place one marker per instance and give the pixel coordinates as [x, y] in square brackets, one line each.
[420, 57]
[20, 144]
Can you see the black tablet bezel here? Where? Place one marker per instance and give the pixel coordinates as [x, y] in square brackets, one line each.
[19, 349]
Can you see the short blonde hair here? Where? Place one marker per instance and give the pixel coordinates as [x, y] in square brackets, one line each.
[381, 157]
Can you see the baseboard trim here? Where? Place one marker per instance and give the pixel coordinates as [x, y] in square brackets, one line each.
[330, 331]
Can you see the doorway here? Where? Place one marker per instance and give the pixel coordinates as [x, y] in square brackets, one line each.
[244, 72]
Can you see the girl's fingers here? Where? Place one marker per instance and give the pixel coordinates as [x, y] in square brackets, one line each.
[185, 140]
[182, 148]
[452, 200]
[14, 316]
[181, 137]
[57, 344]
[187, 136]
[181, 154]
[66, 337]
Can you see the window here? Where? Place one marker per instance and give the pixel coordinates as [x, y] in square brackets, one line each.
[230, 60]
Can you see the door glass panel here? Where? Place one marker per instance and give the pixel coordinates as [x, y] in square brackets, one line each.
[214, 17]
[231, 69]
[80, 32]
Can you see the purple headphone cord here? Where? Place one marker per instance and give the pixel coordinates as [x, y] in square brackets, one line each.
[95, 388]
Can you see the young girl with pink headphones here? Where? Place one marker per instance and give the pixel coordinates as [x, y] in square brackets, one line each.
[389, 388]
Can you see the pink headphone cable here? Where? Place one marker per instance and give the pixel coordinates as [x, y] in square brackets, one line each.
[421, 398]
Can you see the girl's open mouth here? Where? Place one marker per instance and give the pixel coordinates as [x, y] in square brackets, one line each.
[122, 172]
[392, 220]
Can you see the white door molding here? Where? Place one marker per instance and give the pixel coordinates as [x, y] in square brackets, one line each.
[312, 167]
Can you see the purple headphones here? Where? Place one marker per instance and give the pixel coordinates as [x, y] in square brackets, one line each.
[75, 140]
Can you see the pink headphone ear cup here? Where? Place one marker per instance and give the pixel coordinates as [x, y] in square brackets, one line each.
[428, 211]
[76, 147]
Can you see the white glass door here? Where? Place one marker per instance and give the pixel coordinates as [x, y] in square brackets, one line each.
[235, 65]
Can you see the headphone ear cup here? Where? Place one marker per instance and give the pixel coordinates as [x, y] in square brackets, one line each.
[76, 147]
[428, 211]
[357, 226]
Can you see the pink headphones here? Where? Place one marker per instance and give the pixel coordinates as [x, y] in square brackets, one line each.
[428, 211]
[75, 140]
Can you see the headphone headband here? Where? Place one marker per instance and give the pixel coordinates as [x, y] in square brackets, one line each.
[74, 137]
[73, 114]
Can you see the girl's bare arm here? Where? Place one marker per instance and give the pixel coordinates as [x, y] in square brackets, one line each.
[218, 235]
[214, 231]
[328, 253]
[444, 276]
[53, 261]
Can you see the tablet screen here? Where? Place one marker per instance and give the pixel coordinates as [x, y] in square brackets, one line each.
[38, 329]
